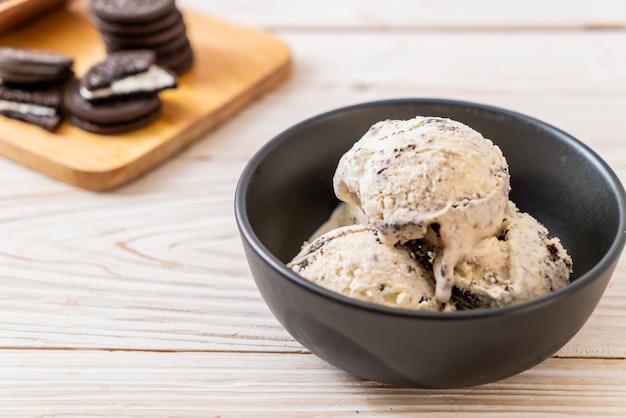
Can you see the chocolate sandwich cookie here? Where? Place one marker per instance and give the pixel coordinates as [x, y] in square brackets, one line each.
[133, 29]
[41, 106]
[33, 66]
[124, 25]
[176, 55]
[173, 45]
[178, 60]
[147, 40]
[114, 115]
[126, 73]
[131, 11]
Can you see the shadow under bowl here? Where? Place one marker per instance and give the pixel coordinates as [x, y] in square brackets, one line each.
[285, 193]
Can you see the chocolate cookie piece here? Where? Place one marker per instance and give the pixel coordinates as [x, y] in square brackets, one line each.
[32, 66]
[177, 43]
[40, 107]
[33, 60]
[114, 115]
[113, 128]
[177, 61]
[176, 55]
[131, 11]
[117, 65]
[132, 29]
[23, 78]
[150, 40]
[49, 123]
[166, 34]
[126, 73]
[49, 97]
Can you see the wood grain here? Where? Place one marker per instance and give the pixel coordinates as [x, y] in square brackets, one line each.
[402, 15]
[138, 384]
[158, 264]
[14, 13]
[233, 65]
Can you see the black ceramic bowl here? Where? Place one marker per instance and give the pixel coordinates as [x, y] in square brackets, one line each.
[285, 193]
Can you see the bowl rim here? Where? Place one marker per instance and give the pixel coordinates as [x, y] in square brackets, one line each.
[612, 254]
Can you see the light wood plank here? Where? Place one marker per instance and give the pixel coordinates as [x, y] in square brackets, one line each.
[420, 14]
[139, 302]
[97, 383]
[157, 265]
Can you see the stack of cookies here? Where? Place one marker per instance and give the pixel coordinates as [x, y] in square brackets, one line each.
[118, 94]
[144, 24]
[31, 83]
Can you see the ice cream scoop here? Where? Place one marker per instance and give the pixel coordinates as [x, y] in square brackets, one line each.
[520, 263]
[344, 214]
[427, 173]
[353, 261]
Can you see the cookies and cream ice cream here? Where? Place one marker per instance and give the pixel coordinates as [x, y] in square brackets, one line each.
[437, 190]
[407, 175]
[520, 263]
[344, 214]
[354, 261]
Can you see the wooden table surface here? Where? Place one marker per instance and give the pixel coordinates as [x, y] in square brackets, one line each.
[139, 301]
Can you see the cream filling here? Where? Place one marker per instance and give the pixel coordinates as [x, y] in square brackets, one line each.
[155, 78]
[27, 108]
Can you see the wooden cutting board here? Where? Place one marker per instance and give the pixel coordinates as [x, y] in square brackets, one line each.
[233, 65]
[16, 12]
